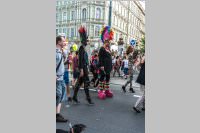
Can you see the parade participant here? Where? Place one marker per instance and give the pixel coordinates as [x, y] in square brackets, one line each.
[60, 84]
[83, 68]
[69, 60]
[117, 66]
[141, 81]
[131, 58]
[105, 63]
[94, 68]
[113, 61]
[66, 73]
[75, 68]
[125, 62]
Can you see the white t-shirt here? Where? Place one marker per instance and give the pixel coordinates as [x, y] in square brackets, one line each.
[125, 63]
[113, 61]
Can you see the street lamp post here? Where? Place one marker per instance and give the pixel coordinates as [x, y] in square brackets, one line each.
[110, 13]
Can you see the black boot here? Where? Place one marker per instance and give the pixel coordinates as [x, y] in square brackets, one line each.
[75, 100]
[90, 101]
[143, 109]
[131, 90]
[69, 99]
[124, 88]
[88, 96]
[136, 110]
[60, 118]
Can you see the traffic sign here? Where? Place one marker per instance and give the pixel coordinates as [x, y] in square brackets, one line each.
[133, 42]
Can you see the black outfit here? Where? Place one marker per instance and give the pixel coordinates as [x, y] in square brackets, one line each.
[82, 64]
[105, 60]
[141, 76]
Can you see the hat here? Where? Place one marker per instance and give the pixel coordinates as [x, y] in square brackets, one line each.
[106, 33]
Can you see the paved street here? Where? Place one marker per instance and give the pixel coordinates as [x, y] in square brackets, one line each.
[113, 115]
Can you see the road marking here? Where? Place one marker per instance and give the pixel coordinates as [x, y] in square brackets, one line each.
[136, 96]
[89, 89]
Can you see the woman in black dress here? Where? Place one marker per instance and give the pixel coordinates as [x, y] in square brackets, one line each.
[105, 64]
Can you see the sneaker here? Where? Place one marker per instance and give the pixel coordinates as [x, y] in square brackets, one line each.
[75, 100]
[123, 88]
[131, 90]
[90, 101]
[60, 118]
[136, 110]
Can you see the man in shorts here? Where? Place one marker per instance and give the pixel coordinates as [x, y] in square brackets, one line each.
[60, 84]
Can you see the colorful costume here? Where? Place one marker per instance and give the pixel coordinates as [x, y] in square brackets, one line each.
[105, 62]
[83, 65]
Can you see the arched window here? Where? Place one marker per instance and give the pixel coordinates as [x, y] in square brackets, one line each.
[84, 14]
[98, 13]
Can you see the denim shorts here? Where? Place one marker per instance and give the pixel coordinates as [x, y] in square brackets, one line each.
[66, 77]
[60, 91]
[126, 71]
[75, 75]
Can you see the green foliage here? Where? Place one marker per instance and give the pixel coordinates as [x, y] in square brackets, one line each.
[141, 46]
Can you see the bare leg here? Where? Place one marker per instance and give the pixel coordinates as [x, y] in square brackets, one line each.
[58, 108]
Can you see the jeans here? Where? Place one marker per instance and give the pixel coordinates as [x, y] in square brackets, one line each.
[60, 91]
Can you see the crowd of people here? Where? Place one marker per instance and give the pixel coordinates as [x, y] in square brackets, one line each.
[102, 63]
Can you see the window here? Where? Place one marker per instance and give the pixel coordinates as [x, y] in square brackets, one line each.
[98, 13]
[64, 30]
[65, 2]
[72, 32]
[97, 28]
[60, 17]
[84, 14]
[60, 30]
[57, 17]
[64, 16]
[73, 15]
[68, 32]
[56, 32]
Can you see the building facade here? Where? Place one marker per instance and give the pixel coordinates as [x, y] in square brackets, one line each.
[127, 20]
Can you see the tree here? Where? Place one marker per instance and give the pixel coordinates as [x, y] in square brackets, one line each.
[141, 46]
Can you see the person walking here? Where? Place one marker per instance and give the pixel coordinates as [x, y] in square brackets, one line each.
[105, 64]
[132, 56]
[125, 63]
[117, 66]
[60, 84]
[141, 81]
[75, 69]
[83, 68]
[94, 69]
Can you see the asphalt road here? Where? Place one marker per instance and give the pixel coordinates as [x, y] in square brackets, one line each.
[113, 115]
